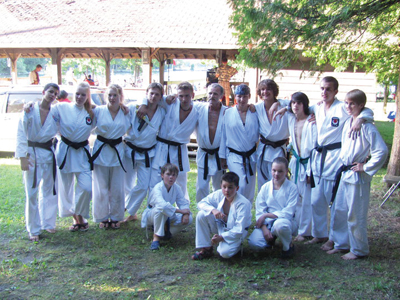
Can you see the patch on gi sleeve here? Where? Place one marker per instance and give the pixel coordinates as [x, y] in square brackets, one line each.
[335, 122]
[88, 120]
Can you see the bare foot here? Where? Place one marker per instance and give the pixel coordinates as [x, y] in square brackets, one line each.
[333, 251]
[34, 238]
[130, 218]
[351, 256]
[316, 241]
[327, 246]
[51, 230]
[299, 238]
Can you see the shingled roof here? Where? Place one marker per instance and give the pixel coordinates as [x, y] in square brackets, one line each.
[115, 24]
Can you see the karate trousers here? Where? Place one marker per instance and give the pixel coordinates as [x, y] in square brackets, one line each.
[157, 218]
[203, 186]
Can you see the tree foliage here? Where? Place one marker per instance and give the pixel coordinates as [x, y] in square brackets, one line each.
[360, 33]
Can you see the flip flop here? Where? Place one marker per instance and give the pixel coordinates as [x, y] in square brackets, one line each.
[84, 227]
[104, 225]
[75, 227]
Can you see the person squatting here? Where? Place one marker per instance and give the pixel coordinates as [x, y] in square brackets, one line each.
[141, 151]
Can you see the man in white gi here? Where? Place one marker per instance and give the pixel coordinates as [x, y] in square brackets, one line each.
[273, 134]
[324, 161]
[36, 131]
[161, 213]
[355, 177]
[174, 135]
[275, 208]
[226, 215]
[239, 142]
[140, 142]
[209, 133]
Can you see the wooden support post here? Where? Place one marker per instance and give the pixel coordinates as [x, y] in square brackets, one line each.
[13, 56]
[162, 66]
[56, 57]
[107, 58]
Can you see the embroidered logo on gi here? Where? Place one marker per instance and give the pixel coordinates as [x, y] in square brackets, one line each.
[88, 121]
[335, 122]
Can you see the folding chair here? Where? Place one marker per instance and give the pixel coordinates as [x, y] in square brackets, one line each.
[395, 183]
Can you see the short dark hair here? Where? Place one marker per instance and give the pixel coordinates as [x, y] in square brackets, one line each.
[242, 89]
[51, 85]
[300, 97]
[63, 94]
[281, 160]
[185, 85]
[331, 79]
[231, 177]
[155, 85]
[269, 84]
[39, 66]
[358, 96]
[170, 167]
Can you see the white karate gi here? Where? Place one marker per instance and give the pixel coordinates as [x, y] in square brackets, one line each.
[240, 137]
[274, 132]
[329, 127]
[135, 192]
[235, 230]
[308, 142]
[281, 203]
[40, 212]
[162, 203]
[108, 175]
[172, 130]
[354, 188]
[75, 125]
[203, 141]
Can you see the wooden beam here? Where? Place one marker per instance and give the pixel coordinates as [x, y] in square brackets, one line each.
[13, 56]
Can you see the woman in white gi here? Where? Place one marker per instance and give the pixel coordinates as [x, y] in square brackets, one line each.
[275, 208]
[107, 155]
[73, 157]
[355, 177]
[238, 142]
[273, 134]
[36, 131]
[140, 142]
[303, 136]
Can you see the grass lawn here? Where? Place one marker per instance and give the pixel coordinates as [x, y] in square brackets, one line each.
[117, 264]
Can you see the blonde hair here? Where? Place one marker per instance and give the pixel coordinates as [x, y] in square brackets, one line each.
[119, 89]
[88, 102]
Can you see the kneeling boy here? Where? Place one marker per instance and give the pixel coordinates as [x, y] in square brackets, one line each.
[226, 214]
[161, 211]
[275, 208]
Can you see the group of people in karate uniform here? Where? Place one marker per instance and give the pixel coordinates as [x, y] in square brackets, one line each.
[142, 151]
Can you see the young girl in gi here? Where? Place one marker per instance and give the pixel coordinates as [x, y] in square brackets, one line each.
[107, 155]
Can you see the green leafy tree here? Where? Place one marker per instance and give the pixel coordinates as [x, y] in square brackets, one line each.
[363, 34]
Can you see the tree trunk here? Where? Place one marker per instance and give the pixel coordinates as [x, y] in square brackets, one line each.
[385, 98]
[394, 161]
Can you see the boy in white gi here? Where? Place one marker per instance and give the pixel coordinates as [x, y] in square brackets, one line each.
[161, 212]
[239, 142]
[209, 133]
[303, 135]
[355, 177]
[226, 214]
[273, 134]
[140, 142]
[36, 131]
[275, 208]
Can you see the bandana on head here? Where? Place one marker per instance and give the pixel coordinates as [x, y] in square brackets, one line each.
[242, 90]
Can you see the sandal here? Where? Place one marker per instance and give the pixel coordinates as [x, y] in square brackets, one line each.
[115, 224]
[84, 227]
[74, 227]
[203, 253]
[104, 225]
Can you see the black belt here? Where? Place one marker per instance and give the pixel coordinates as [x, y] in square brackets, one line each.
[140, 150]
[273, 145]
[323, 150]
[47, 146]
[338, 175]
[245, 155]
[210, 152]
[76, 146]
[172, 143]
[112, 143]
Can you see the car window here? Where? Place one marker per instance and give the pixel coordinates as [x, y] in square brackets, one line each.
[16, 101]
